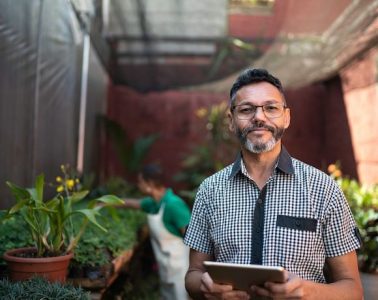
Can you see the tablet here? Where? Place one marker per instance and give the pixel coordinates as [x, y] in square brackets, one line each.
[242, 276]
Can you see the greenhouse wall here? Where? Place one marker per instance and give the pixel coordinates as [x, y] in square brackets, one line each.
[41, 61]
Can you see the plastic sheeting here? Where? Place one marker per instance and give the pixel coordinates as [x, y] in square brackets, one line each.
[41, 46]
[302, 58]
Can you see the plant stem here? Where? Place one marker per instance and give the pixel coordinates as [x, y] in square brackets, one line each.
[74, 242]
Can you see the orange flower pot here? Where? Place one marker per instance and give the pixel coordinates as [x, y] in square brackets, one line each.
[23, 268]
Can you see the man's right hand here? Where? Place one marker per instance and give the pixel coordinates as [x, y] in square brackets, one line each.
[212, 290]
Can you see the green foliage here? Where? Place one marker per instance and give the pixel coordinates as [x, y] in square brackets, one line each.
[38, 288]
[363, 201]
[131, 154]
[14, 234]
[215, 153]
[50, 222]
[122, 225]
[97, 249]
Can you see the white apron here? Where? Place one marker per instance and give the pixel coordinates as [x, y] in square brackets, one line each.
[172, 256]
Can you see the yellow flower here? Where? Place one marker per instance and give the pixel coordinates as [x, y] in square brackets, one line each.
[77, 180]
[331, 168]
[70, 183]
[58, 179]
[202, 112]
[60, 189]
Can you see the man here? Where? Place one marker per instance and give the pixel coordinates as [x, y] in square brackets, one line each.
[269, 208]
[168, 216]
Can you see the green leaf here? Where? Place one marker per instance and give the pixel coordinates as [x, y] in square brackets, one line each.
[77, 196]
[39, 183]
[119, 139]
[140, 150]
[14, 209]
[28, 218]
[110, 200]
[130, 155]
[18, 193]
[90, 214]
[53, 204]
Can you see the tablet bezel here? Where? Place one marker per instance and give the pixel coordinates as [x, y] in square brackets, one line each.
[242, 276]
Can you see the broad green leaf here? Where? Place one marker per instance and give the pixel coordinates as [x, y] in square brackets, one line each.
[39, 183]
[33, 196]
[52, 204]
[90, 214]
[110, 200]
[18, 193]
[28, 218]
[45, 209]
[18, 206]
[77, 196]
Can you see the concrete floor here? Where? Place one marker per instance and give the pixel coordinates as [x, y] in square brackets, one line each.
[370, 284]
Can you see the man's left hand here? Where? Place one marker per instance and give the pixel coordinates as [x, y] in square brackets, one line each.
[293, 288]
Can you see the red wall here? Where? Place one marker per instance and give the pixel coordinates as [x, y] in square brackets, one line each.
[319, 132]
[360, 86]
[170, 113]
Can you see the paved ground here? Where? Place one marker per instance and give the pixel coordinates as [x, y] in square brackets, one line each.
[370, 283]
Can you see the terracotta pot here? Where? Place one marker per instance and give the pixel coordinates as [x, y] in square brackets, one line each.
[23, 268]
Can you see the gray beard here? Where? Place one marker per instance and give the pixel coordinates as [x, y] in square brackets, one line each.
[259, 146]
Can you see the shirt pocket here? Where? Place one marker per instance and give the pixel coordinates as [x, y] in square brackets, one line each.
[297, 223]
[298, 242]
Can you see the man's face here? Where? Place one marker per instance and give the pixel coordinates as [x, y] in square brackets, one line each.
[259, 133]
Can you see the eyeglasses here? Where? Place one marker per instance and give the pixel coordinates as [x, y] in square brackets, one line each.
[247, 111]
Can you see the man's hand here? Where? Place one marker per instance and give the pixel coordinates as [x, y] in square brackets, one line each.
[345, 283]
[212, 290]
[293, 288]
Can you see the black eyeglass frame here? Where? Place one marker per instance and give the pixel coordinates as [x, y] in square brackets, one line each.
[284, 106]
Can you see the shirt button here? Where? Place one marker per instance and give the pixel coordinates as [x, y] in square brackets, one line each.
[298, 223]
[259, 201]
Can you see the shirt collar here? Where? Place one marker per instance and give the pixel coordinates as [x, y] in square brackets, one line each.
[284, 163]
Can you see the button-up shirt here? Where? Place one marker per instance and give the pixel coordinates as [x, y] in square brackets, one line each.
[299, 218]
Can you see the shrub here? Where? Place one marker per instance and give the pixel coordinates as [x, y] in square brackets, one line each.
[218, 150]
[13, 234]
[97, 249]
[363, 201]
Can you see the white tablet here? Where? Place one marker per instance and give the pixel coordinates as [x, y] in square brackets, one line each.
[242, 276]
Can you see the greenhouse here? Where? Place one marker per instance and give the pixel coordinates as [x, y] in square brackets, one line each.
[134, 150]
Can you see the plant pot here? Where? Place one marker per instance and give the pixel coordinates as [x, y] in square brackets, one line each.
[23, 268]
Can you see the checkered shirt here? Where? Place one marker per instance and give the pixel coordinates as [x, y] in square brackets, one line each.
[297, 220]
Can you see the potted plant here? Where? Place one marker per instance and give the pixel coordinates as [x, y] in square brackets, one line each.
[50, 223]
